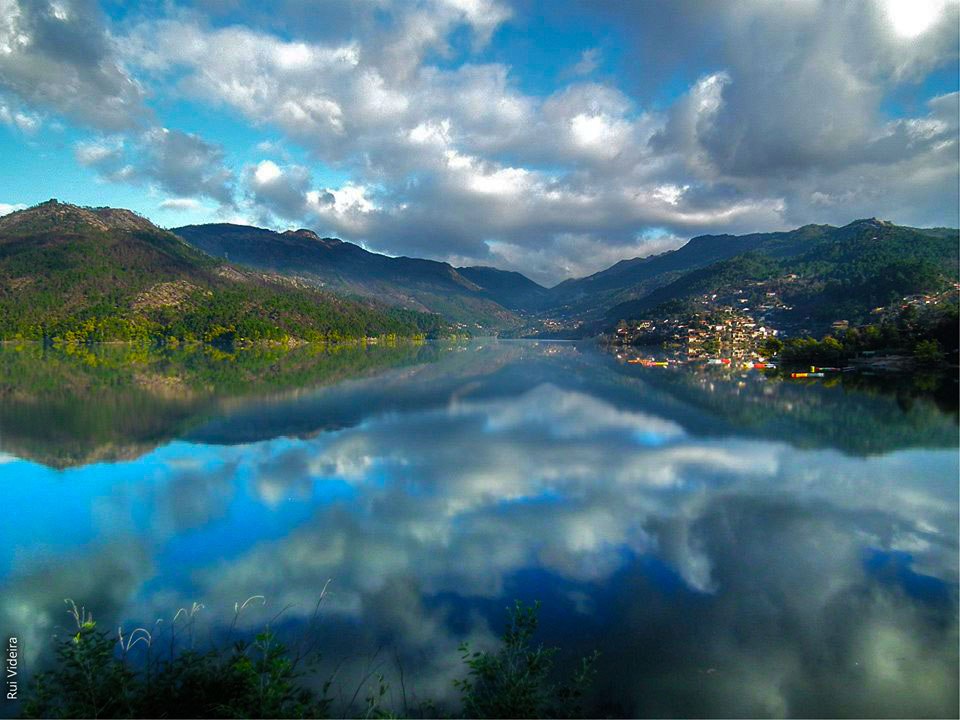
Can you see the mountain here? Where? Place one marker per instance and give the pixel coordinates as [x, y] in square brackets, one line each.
[510, 289]
[629, 279]
[473, 296]
[842, 273]
[83, 273]
[80, 274]
[813, 275]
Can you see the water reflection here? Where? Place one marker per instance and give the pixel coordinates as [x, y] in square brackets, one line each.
[723, 565]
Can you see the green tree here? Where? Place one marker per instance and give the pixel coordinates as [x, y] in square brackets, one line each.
[928, 352]
[771, 346]
[141, 675]
[515, 681]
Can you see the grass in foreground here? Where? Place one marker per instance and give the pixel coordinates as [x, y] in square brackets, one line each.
[100, 674]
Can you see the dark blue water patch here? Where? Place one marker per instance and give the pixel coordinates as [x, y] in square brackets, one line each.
[527, 586]
[665, 578]
[562, 598]
[894, 567]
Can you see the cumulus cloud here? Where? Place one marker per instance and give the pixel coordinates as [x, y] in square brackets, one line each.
[26, 122]
[783, 121]
[186, 164]
[60, 56]
[180, 204]
[588, 62]
[446, 128]
[7, 208]
[815, 579]
[282, 191]
[101, 153]
[180, 163]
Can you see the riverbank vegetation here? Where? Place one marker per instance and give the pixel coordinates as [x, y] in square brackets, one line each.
[156, 672]
[929, 337]
[253, 314]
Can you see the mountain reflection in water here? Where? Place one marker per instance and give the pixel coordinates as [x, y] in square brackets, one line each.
[732, 544]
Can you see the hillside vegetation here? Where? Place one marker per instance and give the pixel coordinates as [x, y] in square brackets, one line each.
[79, 274]
[818, 273]
[264, 677]
[75, 274]
[481, 298]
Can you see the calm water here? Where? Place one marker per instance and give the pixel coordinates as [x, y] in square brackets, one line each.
[732, 544]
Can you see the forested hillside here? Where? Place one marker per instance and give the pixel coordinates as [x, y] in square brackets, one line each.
[818, 273]
[480, 298]
[94, 274]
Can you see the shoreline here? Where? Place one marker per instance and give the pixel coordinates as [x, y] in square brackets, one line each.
[289, 344]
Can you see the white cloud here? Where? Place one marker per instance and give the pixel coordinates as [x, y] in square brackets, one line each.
[7, 208]
[431, 132]
[447, 155]
[281, 192]
[180, 163]
[98, 152]
[26, 122]
[351, 198]
[911, 18]
[588, 62]
[180, 204]
[60, 57]
[266, 172]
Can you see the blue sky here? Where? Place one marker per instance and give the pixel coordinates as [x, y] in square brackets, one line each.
[550, 137]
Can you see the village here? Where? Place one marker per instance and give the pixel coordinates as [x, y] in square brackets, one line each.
[737, 324]
[737, 329]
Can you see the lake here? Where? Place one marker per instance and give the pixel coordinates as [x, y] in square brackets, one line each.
[733, 544]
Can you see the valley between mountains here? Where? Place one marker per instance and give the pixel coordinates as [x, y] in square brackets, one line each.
[98, 274]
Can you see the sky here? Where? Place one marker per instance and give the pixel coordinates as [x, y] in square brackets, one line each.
[554, 137]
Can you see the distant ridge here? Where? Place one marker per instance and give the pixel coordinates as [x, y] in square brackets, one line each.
[472, 296]
[510, 289]
[823, 273]
[841, 273]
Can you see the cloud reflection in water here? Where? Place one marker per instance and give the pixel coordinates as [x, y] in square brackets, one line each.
[733, 576]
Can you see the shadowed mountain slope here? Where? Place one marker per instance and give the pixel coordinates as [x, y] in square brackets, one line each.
[467, 295]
